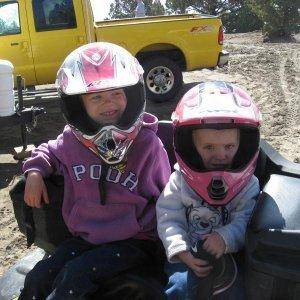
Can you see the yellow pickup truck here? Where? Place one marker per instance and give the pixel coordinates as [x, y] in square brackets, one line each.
[36, 35]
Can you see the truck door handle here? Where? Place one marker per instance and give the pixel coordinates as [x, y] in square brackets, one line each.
[14, 43]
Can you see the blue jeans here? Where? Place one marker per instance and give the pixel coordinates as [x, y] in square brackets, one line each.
[183, 284]
[77, 268]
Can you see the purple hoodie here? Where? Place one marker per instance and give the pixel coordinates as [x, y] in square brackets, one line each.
[131, 193]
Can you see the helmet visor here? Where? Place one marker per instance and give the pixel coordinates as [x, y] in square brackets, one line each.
[248, 146]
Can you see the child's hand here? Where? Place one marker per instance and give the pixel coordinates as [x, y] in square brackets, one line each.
[214, 244]
[35, 189]
[199, 266]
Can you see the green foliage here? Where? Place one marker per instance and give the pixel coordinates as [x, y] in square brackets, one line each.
[177, 6]
[120, 9]
[280, 17]
[212, 7]
[236, 14]
[2, 26]
[6, 28]
[157, 8]
[276, 17]
[240, 18]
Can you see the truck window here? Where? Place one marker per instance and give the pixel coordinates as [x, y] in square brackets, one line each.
[53, 14]
[9, 18]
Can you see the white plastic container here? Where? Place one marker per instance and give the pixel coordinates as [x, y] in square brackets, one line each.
[7, 102]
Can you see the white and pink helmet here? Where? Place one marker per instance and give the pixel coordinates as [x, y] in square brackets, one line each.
[98, 67]
[216, 105]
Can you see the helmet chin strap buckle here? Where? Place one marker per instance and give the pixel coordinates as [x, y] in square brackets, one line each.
[217, 188]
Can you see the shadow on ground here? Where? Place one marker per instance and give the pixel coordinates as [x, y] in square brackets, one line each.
[9, 168]
[164, 110]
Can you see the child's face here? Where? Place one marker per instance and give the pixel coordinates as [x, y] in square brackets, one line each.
[217, 148]
[105, 107]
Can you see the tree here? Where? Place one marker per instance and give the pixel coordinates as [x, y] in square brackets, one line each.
[240, 18]
[213, 7]
[157, 8]
[2, 26]
[120, 9]
[177, 6]
[280, 17]
[14, 27]
[236, 15]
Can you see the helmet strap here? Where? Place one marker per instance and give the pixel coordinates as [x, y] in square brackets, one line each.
[101, 183]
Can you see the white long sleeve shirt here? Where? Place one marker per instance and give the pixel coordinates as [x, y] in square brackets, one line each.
[183, 217]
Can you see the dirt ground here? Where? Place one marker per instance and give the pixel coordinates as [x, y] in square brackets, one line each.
[270, 72]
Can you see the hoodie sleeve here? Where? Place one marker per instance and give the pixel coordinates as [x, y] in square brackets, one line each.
[161, 169]
[234, 232]
[171, 219]
[150, 157]
[45, 158]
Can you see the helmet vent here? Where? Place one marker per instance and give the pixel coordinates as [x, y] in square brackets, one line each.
[217, 189]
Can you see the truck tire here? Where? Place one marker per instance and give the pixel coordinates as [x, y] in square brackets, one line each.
[163, 78]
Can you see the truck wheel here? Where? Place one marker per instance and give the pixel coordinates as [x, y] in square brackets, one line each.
[163, 78]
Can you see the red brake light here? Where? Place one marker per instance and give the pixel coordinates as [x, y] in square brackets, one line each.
[221, 36]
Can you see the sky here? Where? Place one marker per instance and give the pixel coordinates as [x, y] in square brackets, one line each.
[101, 8]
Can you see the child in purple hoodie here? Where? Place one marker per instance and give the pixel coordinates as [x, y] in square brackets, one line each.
[114, 169]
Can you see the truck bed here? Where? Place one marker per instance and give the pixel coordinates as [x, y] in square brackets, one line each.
[152, 19]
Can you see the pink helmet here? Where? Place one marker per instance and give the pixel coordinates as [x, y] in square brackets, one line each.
[98, 67]
[216, 105]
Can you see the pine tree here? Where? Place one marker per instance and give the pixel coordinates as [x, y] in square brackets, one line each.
[280, 17]
[213, 7]
[2, 26]
[120, 9]
[240, 18]
[177, 6]
[157, 8]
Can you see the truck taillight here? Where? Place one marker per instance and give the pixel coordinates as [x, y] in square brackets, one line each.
[221, 36]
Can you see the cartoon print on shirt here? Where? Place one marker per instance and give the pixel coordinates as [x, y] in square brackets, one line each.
[202, 219]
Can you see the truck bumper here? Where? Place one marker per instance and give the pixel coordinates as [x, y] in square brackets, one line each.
[223, 58]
